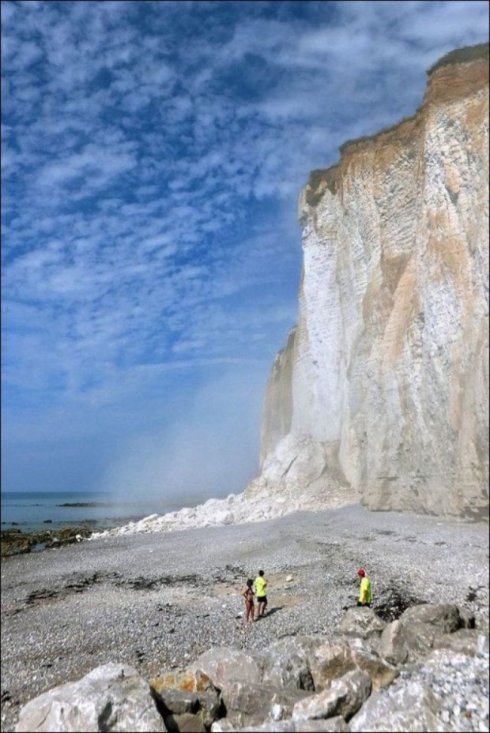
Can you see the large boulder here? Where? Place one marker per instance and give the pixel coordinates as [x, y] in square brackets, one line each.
[186, 693]
[464, 641]
[416, 632]
[445, 617]
[112, 697]
[286, 662]
[343, 697]
[333, 659]
[224, 665]
[253, 704]
[361, 622]
[185, 723]
[392, 645]
[406, 707]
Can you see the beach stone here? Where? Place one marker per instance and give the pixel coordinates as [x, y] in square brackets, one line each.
[343, 697]
[361, 622]
[334, 658]
[112, 697]
[224, 665]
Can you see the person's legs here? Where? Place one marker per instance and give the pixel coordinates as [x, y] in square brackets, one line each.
[261, 604]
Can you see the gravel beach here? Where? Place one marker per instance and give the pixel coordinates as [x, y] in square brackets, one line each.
[156, 601]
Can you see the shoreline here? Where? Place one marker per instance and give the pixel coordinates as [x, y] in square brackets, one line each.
[157, 600]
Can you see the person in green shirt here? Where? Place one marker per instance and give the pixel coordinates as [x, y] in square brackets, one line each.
[260, 585]
[365, 593]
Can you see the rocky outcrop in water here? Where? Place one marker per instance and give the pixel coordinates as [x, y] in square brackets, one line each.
[382, 388]
[15, 542]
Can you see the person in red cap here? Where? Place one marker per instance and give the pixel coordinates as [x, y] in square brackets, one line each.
[365, 594]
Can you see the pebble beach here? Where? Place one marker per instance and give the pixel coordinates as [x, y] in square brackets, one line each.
[156, 600]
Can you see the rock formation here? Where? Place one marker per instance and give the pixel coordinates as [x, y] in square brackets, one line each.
[382, 388]
[298, 684]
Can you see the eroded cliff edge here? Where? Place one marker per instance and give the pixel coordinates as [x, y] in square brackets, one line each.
[382, 389]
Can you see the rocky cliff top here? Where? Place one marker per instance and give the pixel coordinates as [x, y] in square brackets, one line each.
[457, 74]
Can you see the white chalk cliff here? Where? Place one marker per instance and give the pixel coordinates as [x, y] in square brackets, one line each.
[382, 389]
[381, 393]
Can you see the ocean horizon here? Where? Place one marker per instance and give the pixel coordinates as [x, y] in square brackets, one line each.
[32, 511]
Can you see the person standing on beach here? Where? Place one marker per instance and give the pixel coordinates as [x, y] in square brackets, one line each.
[260, 585]
[365, 592]
[248, 595]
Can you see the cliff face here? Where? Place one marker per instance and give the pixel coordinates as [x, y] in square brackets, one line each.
[382, 389]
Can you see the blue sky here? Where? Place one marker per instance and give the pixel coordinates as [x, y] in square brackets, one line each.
[152, 156]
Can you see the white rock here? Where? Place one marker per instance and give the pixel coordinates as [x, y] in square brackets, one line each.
[112, 697]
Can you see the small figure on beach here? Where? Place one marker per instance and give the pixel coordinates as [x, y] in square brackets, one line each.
[365, 593]
[260, 585]
[248, 595]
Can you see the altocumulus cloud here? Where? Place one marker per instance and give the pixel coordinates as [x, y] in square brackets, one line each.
[152, 154]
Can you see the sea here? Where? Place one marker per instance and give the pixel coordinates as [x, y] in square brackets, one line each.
[40, 510]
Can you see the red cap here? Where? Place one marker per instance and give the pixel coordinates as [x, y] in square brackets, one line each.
[361, 572]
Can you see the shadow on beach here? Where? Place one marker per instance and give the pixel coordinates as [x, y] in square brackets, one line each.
[275, 609]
